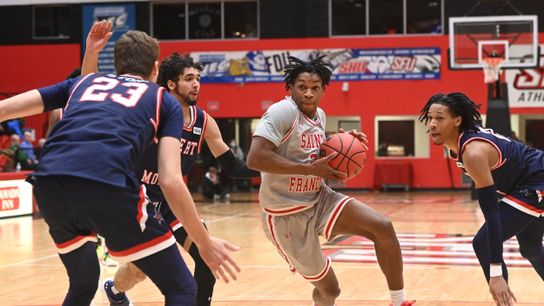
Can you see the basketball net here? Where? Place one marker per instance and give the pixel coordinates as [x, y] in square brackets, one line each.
[492, 68]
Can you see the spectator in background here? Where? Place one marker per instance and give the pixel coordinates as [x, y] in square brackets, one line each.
[15, 126]
[27, 146]
[238, 153]
[39, 149]
[18, 158]
[212, 188]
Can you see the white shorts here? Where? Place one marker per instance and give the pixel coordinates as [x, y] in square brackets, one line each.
[296, 236]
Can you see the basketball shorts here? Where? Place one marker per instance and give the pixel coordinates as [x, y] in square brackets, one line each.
[77, 209]
[527, 200]
[296, 236]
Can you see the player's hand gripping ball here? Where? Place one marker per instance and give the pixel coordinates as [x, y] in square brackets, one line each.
[351, 155]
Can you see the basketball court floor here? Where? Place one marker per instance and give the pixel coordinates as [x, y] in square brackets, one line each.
[434, 228]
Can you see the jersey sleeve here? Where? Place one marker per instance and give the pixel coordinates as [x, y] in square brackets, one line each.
[56, 96]
[276, 122]
[171, 117]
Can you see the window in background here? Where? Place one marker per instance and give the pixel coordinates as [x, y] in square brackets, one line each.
[205, 20]
[386, 16]
[348, 17]
[169, 21]
[51, 22]
[424, 16]
[401, 136]
[240, 19]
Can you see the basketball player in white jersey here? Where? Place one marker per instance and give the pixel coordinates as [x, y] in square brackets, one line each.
[298, 206]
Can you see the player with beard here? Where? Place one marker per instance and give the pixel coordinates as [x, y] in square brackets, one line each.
[181, 76]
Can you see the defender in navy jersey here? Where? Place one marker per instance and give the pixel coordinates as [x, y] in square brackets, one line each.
[509, 177]
[85, 183]
[180, 75]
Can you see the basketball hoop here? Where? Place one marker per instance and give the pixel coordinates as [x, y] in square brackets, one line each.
[492, 68]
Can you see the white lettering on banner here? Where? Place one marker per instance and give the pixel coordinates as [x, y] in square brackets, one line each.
[526, 86]
[9, 198]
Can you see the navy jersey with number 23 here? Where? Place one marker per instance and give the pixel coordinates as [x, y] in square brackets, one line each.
[143, 111]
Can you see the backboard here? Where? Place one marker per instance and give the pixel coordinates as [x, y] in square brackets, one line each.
[473, 40]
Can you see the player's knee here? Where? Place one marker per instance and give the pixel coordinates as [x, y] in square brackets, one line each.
[478, 243]
[384, 229]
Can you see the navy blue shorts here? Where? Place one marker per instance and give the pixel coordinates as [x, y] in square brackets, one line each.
[169, 217]
[527, 200]
[77, 209]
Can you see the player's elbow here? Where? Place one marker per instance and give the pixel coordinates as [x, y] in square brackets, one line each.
[169, 183]
[253, 162]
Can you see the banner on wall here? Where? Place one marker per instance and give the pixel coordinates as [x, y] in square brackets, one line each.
[123, 19]
[347, 64]
[526, 86]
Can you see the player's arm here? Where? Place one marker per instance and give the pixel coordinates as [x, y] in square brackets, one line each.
[262, 157]
[97, 39]
[22, 105]
[478, 159]
[214, 251]
[232, 166]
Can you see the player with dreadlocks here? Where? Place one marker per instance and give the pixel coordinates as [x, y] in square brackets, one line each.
[297, 205]
[509, 179]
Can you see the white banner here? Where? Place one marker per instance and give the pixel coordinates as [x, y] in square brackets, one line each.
[15, 198]
[526, 86]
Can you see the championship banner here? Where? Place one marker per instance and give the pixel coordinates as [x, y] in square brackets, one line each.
[526, 86]
[123, 19]
[347, 64]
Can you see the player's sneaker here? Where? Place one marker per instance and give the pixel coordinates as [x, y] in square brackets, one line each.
[119, 299]
[406, 303]
[108, 261]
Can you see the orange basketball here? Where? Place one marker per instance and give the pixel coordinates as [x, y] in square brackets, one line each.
[351, 155]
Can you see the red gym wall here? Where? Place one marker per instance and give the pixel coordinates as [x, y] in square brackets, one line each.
[27, 67]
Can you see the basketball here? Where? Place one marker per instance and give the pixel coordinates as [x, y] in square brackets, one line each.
[351, 153]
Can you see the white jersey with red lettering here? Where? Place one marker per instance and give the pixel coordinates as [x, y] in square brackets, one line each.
[297, 139]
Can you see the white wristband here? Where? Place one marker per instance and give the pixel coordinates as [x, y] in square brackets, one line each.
[495, 270]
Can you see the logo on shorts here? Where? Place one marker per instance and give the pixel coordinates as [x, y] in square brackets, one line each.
[539, 195]
[158, 216]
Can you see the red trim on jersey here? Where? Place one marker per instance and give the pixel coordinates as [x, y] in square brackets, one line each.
[142, 212]
[321, 274]
[290, 131]
[280, 250]
[286, 211]
[311, 120]
[174, 223]
[204, 126]
[73, 241]
[75, 87]
[194, 114]
[499, 163]
[158, 113]
[141, 246]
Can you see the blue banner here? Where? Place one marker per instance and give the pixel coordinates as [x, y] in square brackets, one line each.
[123, 19]
[347, 64]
